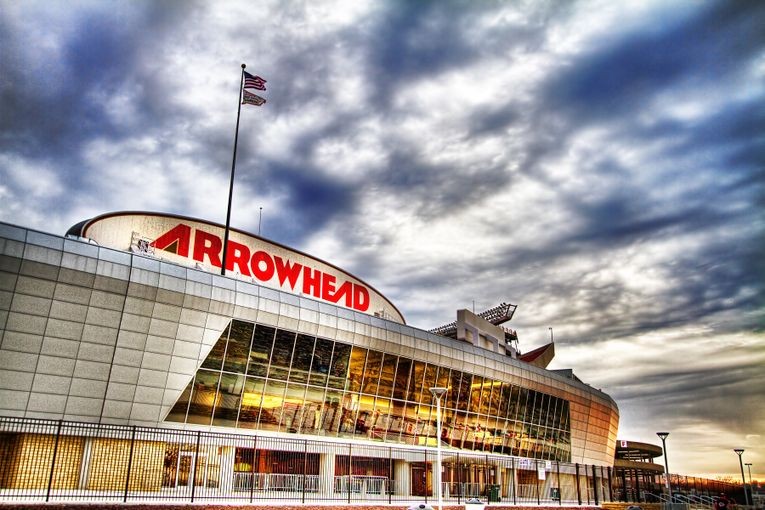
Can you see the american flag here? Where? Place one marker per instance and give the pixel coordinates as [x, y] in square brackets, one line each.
[254, 82]
[250, 98]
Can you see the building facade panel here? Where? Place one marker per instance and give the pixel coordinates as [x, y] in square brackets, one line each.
[175, 346]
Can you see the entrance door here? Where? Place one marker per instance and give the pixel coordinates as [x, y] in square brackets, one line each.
[421, 480]
[187, 464]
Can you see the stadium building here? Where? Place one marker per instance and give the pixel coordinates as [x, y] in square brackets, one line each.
[128, 362]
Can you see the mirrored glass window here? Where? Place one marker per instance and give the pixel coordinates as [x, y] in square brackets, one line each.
[203, 397]
[355, 391]
[252, 399]
[227, 403]
[214, 359]
[338, 372]
[301, 359]
[356, 368]
[387, 375]
[372, 372]
[238, 349]
[260, 352]
[281, 357]
[322, 357]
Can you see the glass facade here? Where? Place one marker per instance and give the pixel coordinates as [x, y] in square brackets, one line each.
[261, 377]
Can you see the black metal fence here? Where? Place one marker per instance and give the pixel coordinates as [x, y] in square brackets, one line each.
[44, 460]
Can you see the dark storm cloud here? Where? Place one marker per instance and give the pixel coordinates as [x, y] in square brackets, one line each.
[99, 57]
[313, 199]
[493, 120]
[623, 76]
[52, 111]
[704, 395]
[439, 189]
[413, 40]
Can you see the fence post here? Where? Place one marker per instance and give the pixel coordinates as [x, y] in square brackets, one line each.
[536, 468]
[637, 487]
[130, 464]
[560, 489]
[53, 460]
[512, 469]
[459, 481]
[195, 467]
[252, 469]
[578, 488]
[610, 485]
[487, 485]
[350, 468]
[305, 467]
[425, 454]
[390, 474]
[595, 484]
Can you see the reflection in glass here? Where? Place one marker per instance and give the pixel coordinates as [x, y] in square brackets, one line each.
[464, 393]
[351, 390]
[372, 372]
[214, 360]
[387, 375]
[428, 381]
[442, 381]
[238, 349]
[203, 397]
[475, 394]
[395, 420]
[282, 355]
[260, 352]
[314, 403]
[356, 368]
[332, 412]
[301, 360]
[251, 400]
[322, 357]
[293, 408]
[338, 372]
[452, 396]
[415, 384]
[178, 412]
[227, 403]
[272, 405]
[402, 378]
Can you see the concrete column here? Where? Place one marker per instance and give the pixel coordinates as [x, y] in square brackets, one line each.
[402, 472]
[227, 457]
[326, 474]
[85, 464]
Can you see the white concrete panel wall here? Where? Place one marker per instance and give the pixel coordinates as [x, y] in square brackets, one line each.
[93, 334]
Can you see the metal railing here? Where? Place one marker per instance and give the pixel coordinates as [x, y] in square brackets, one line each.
[45, 460]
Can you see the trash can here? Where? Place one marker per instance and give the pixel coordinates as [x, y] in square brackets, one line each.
[493, 493]
[421, 506]
[555, 494]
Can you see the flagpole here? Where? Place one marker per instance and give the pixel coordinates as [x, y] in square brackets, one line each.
[233, 168]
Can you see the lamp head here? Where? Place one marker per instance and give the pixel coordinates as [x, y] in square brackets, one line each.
[739, 451]
[438, 391]
[662, 435]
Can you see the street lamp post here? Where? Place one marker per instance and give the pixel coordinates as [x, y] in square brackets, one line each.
[739, 452]
[749, 468]
[663, 436]
[437, 393]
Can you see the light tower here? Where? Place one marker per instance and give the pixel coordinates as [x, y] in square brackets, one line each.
[663, 436]
[437, 393]
[739, 452]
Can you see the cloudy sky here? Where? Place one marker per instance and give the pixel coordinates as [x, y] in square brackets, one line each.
[600, 164]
